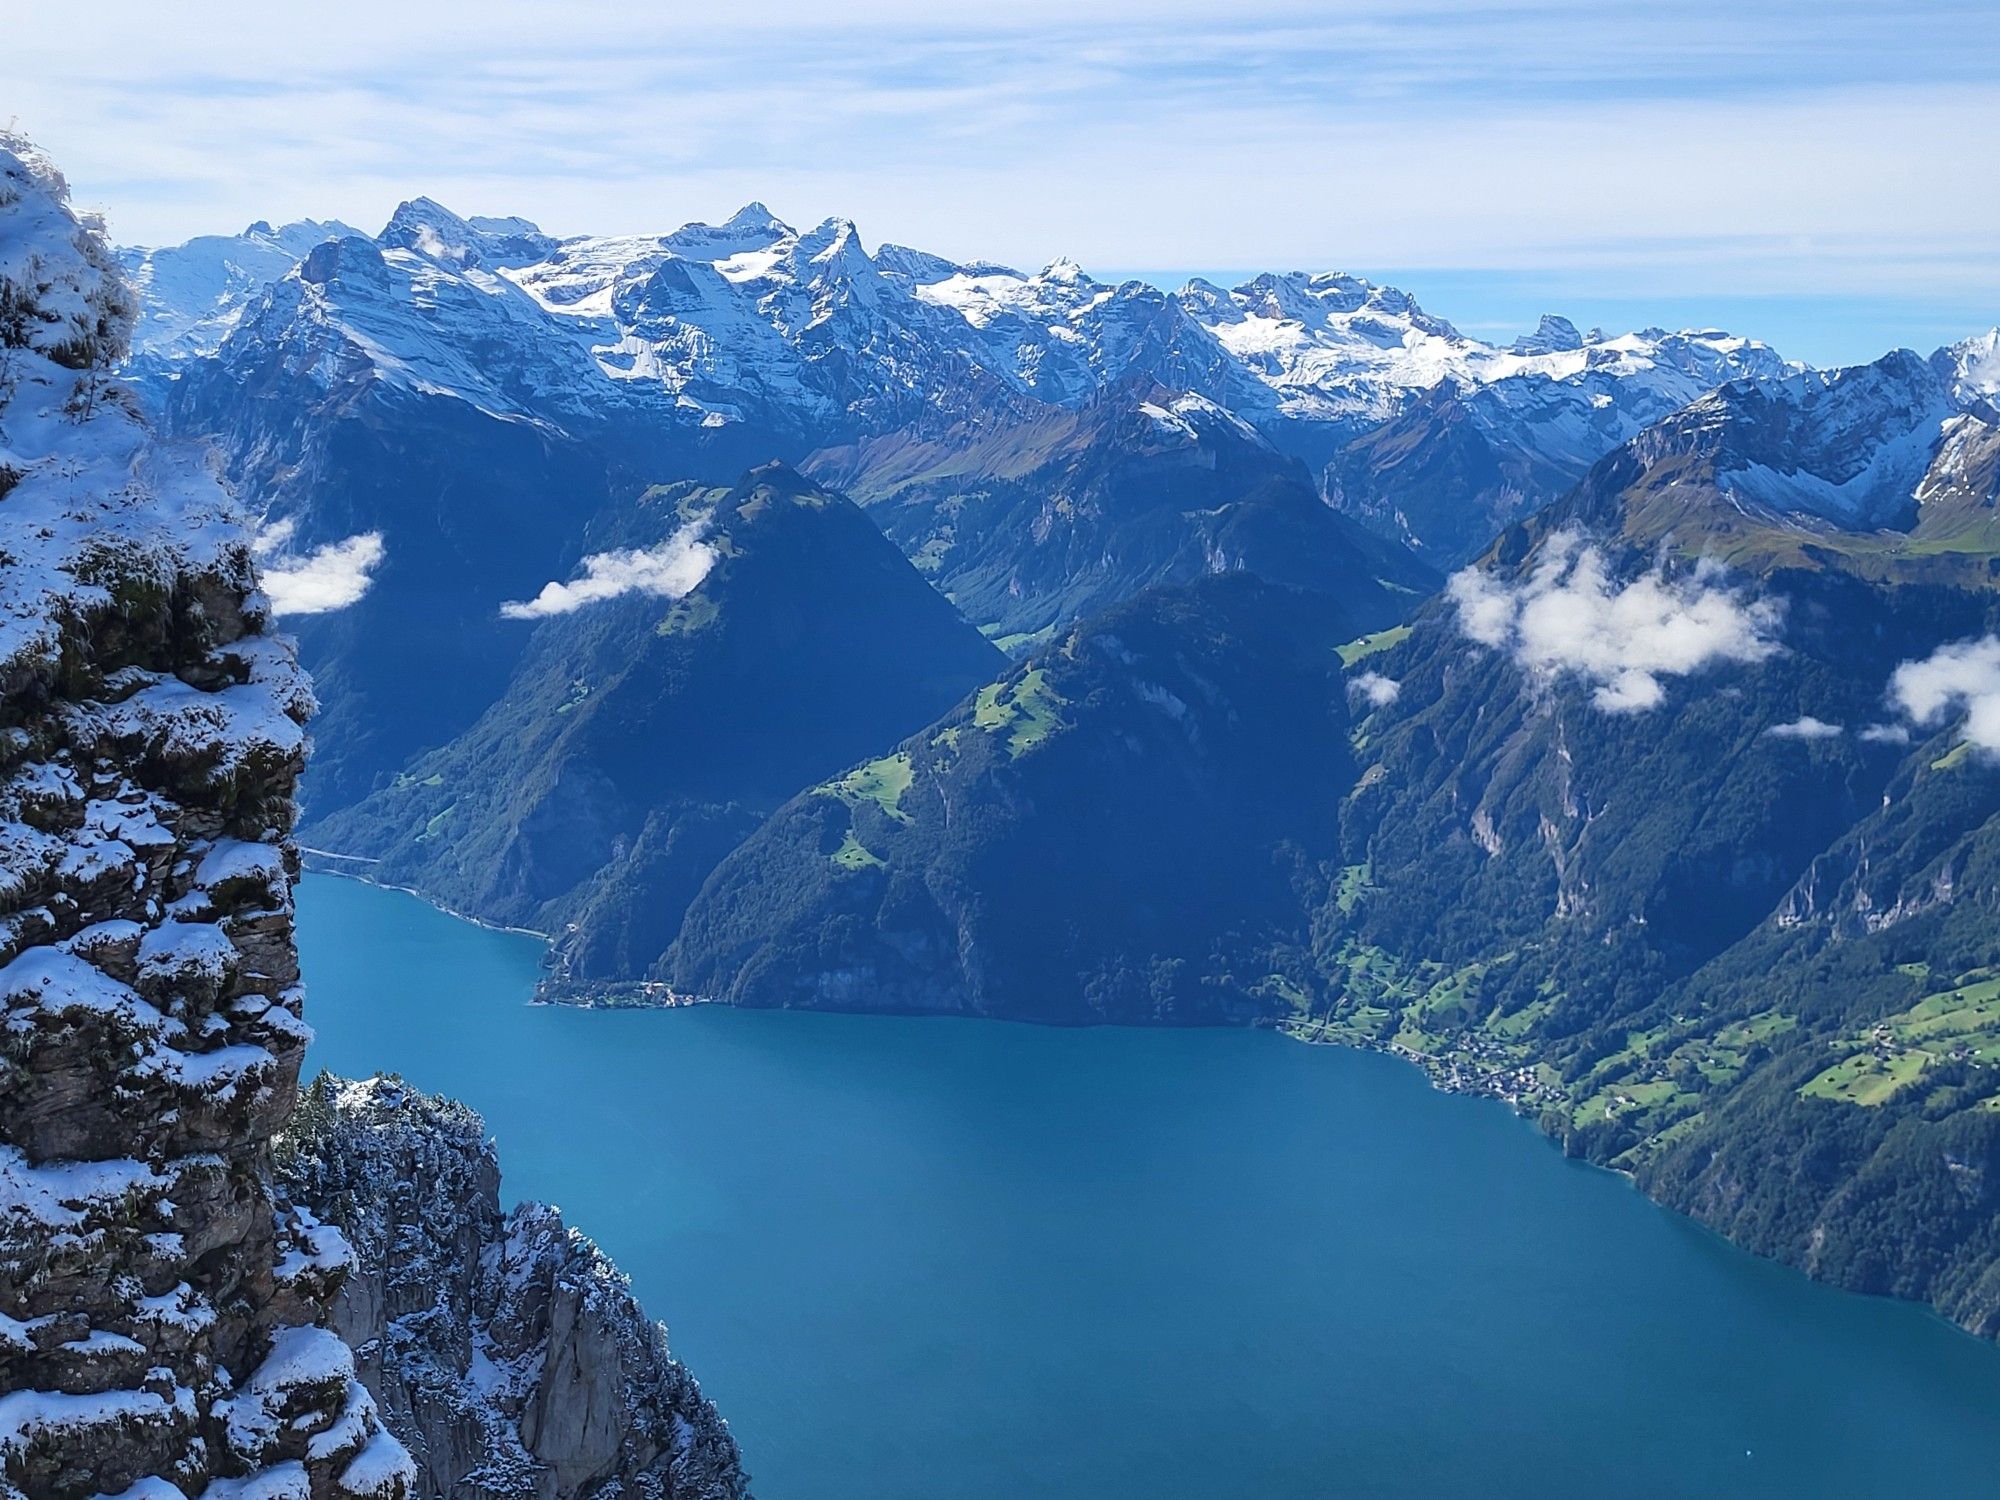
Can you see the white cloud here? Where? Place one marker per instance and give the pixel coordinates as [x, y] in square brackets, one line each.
[327, 578]
[1375, 689]
[1571, 618]
[1805, 727]
[667, 571]
[1961, 678]
[1885, 734]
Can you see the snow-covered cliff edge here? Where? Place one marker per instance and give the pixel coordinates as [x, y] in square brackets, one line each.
[506, 1350]
[162, 1309]
[172, 1308]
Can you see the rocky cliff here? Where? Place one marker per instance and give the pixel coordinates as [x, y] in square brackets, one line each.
[162, 1309]
[171, 1316]
[505, 1349]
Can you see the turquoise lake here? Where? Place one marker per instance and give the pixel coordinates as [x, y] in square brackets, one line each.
[962, 1260]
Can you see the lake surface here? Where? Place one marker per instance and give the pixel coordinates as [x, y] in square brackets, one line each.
[962, 1260]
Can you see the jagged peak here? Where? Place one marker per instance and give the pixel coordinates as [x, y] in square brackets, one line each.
[1554, 334]
[332, 259]
[830, 236]
[428, 228]
[833, 249]
[1971, 367]
[753, 215]
[421, 209]
[1184, 415]
[752, 228]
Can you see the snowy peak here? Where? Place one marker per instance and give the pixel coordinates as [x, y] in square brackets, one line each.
[920, 267]
[830, 250]
[1848, 446]
[192, 295]
[751, 228]
[721, 321]
[1334, 302]
[430, 229]
[1553, 335]
[752, 325]
[296, 237]
[1189, 419]
[1971, 370]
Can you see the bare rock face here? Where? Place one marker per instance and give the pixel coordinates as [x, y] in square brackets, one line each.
[162, 1309]
[508, 1353]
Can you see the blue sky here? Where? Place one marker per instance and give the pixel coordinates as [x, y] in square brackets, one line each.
[1811, 173]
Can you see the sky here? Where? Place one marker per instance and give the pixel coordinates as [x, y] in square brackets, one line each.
[1812, 172]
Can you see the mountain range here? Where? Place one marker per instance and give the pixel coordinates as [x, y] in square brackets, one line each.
[809, 338]
[1608, 722]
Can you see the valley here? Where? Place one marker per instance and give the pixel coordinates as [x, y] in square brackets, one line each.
[890, 1251]
[800, 659]
[1529, 712]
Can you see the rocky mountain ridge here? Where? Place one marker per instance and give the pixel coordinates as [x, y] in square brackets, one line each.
[506, 1350]
[808, 339]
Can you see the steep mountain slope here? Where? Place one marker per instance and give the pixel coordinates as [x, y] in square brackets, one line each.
[644, 734]
[1031, 527]
[172, 1295]
[1678, 858]
[1112, 831]
[509, 1353]
[162, 1307]
[1866, 1148]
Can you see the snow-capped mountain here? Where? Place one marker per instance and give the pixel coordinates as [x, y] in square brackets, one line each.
[807, 339]
[191, 295]
[1845, 446]
[1890, 468]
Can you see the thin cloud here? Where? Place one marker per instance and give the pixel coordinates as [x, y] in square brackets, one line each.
[1806, 727]
[1961, 679]
[668, 571]
[934, 125]
[1569, 617]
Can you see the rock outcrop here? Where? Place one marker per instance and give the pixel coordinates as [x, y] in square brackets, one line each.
[506, 1350]
[162, 1309]
[173, 1322]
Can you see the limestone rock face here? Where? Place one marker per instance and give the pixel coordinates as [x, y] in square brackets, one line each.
[162, 1309]
[506, 1350]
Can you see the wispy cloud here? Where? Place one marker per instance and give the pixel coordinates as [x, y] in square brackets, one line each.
[1806, 727]
[1961, 679]
[1570, 617]
[1432, 133]
[675, 567]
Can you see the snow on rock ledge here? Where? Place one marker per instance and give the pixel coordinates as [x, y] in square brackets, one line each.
[162, 1309]
[508, 1352]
